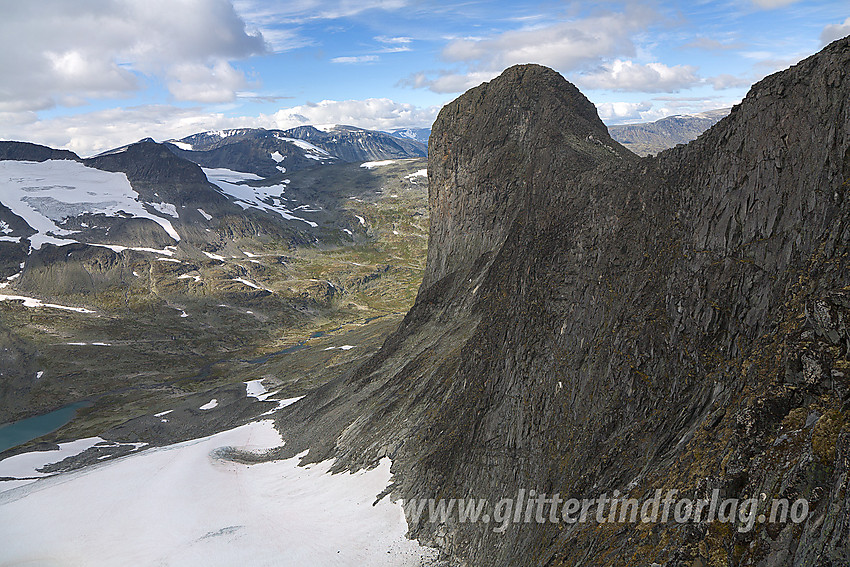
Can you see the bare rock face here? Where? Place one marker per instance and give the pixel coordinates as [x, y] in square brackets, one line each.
[486, 167]
[591, 321]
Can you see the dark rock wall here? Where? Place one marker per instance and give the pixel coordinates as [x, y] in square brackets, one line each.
[592, 321]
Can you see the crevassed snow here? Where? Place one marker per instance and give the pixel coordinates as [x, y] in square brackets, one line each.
[373, 164]
[48, 192]
[185, 505]
[33, 302]
[209, 405]
[264, 198]
[204, 214]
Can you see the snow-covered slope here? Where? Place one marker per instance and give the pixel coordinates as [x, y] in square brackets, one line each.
[269, 198]
[187, 504]
[45, 194]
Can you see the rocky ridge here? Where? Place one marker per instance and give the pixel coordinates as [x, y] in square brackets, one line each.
[592, 321]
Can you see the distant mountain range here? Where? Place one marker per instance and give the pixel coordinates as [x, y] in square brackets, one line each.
[653, 137]
[273, 152]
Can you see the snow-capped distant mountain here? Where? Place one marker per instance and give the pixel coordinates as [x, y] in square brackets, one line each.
[274, 152]
[418, 134]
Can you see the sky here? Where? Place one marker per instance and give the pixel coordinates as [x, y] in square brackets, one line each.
[91, 75]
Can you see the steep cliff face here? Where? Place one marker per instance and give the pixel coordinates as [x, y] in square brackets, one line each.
[591, 321]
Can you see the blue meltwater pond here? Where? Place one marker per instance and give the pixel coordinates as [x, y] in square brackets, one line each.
[19, 432]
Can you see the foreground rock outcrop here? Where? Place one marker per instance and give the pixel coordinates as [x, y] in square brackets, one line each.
[592, 321]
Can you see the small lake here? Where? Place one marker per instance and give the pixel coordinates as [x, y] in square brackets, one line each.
[19, 432]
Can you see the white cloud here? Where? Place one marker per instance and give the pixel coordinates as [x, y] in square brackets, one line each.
[659, 107]
[94, 132]
[55, 52]
[652, 77]
[835, 31]
[372, 113]
[271, 12]
[726, 81]
[205, 83]
[446, 82]
[770, 4]
[356, 59]
[615, 112]
[565, 46]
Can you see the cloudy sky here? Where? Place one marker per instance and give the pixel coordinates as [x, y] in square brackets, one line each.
[90, 75]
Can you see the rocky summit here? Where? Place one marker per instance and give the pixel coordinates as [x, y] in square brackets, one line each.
[592, 321]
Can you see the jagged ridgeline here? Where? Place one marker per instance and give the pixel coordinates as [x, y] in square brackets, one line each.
[590, 320]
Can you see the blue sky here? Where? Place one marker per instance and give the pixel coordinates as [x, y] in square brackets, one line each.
[94, 74]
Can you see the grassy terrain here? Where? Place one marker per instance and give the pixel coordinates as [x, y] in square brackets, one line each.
[168, 330]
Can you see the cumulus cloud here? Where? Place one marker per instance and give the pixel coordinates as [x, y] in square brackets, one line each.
[835, 31]
[564, 45]
[56, 51]
[652, 77]
[615, 112]
[659, 107]
[372, 113]
[94, 132]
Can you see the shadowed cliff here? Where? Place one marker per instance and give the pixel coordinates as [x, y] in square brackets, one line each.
[592, 321]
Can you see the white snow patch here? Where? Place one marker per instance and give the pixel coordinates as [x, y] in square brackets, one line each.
[166, 209]
[33, 302]
[39, 374]
[25, 465]
[117, 248]
[255, 389]
[361, 219]
[162, 413]
[374, 164]
[185, 505]
[275, 155]
[183, 145]
[249, 284]
[5, 228]
[189, 277]
[420, 173]
[348, 232]
[214, 256]
[204, 214]
[270, 198]
[209, 405]
[343, 347]
[169, 260]
[46, 193]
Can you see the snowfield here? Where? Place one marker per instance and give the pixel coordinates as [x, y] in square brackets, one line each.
[188, 505]
[46, 193]
[269, 199]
